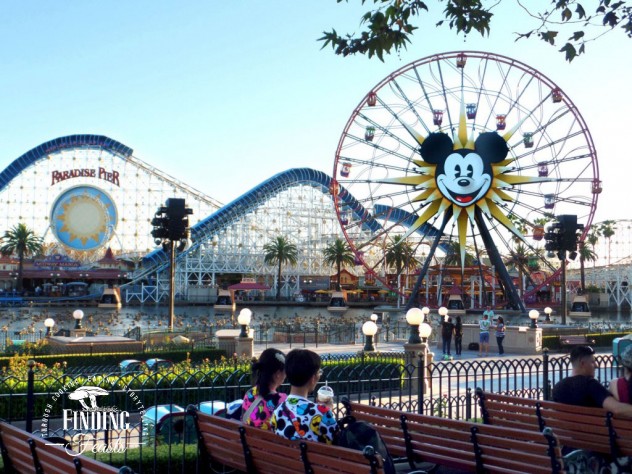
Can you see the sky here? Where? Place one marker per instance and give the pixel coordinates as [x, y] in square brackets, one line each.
[223, 95]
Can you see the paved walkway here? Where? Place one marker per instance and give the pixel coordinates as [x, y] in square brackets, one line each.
[398, 346]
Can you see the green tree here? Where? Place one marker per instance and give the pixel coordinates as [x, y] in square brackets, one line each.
[338, 253]
[390, 24]
[20, 241]
[280, 252]
[519, 259]
[607, 230]
[453, 255]
[400, 254]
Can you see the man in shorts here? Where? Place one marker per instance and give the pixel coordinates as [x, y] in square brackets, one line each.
[483, 343]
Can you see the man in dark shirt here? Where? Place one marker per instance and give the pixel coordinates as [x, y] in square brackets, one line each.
[583, 389]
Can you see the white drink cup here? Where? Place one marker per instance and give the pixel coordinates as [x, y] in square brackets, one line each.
[325, 394]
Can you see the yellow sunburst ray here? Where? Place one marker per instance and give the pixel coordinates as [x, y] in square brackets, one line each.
[498, 195]
[431, 210]
[462, 226]
[484, 207]
[430, 194]
[498, 214]
[419, 138]
[425, 167]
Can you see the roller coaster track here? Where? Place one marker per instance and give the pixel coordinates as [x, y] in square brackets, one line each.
[158, 260]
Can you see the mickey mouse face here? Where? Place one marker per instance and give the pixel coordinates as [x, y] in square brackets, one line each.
[464, 180]
[464, 176]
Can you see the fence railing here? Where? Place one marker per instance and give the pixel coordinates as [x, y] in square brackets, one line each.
[384, 379]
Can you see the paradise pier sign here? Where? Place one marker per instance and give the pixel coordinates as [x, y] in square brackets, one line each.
[101, 173]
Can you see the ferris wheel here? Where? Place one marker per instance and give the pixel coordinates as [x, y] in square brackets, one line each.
[464, 150]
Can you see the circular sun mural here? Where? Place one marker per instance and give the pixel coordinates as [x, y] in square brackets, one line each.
[83, 218]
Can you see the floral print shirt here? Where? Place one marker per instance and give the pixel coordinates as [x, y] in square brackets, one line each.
[260, 417]
[299, 418]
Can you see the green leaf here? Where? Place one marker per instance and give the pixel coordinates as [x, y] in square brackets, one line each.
[570, 51]
[581, 13]
[566, 14]
[549, 36]
[577, 35]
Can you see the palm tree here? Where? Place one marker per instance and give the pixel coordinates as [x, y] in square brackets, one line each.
[592, 238]
[519, 259]
[279, 252]
[22, 241]
[585, 254]
[453, 255]
[401, 254]
[340, 254]
[607, 229]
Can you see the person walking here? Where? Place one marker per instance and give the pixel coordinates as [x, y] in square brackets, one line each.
[500, 334]
[458, 336]
[447, 330]
[484, 325]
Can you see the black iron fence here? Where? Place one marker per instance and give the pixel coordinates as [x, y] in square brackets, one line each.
[38, 398]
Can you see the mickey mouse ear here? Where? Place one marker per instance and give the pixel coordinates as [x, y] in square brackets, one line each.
[436, 148]
[491, 147]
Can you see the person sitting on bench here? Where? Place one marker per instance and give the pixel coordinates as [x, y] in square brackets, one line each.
[300, 418]
[583, 389]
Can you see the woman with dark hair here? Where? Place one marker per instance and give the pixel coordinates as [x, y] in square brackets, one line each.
[621, 388]
[500, 334]
[261, 400]
[298, 417]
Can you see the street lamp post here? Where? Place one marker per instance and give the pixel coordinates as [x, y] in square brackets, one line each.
[534, 314]
[244, 318]
[414, 317]
[78, 316]
[548, 312]
[369, 329]
[443, 312]
[49, 323]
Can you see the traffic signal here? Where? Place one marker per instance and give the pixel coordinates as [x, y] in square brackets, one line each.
[553, 237]
[562, 236]
[160, 222]
[178, 219]
[171, 223]
[571, 234]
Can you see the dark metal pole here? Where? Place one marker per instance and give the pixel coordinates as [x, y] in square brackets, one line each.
[563, 309]
[30, 396]
[422, 377]
[545, 374]
[172, 283]
[497, 261]
[422, 274]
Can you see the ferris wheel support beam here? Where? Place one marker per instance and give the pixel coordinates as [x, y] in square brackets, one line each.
[422, 274]
[497, 261]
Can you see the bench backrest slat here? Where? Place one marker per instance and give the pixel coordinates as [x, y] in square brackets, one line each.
[53, 459]
[451, 442]
[272, 454]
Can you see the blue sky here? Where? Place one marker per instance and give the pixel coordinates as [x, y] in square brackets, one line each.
[222, 95]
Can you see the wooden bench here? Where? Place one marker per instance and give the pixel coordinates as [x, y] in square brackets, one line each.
[253, 450]
[575, 340]
[23, 452]
[462, 445]
[577, 427]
